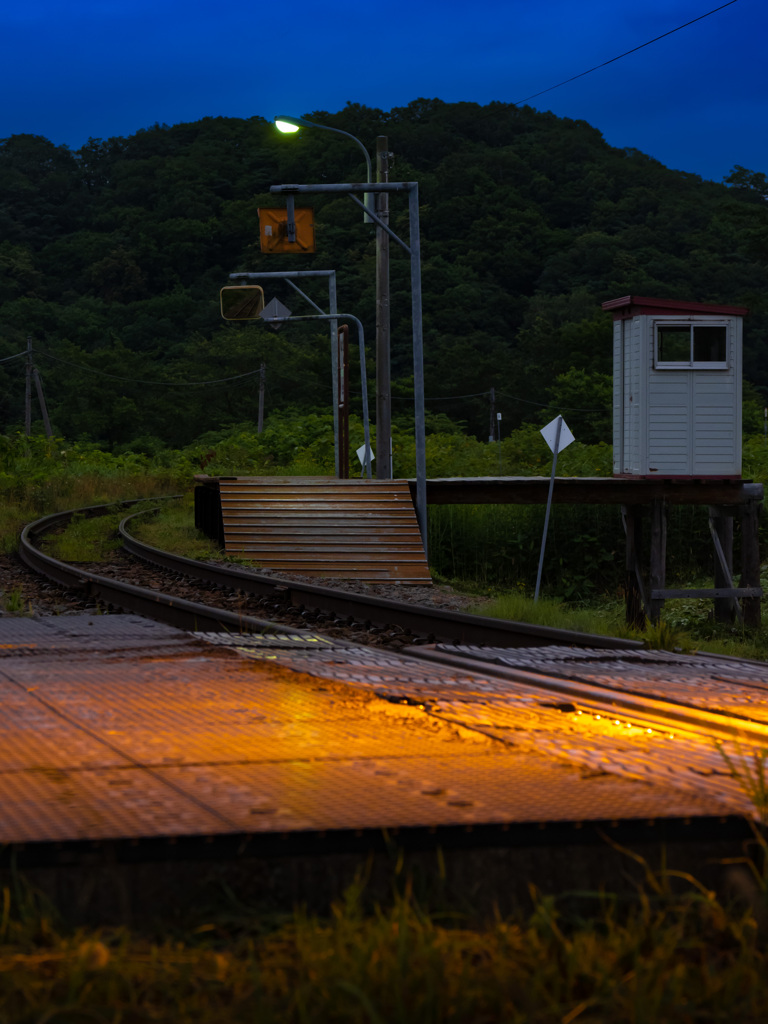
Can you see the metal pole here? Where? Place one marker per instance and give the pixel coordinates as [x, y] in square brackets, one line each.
[383, 373]
[549, 506]
[418, 363]
[343, 390]
[363, 372]
[332, 308]
[288, 276]
[262, 376]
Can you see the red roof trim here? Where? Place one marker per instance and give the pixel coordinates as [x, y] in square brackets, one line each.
[636, 305]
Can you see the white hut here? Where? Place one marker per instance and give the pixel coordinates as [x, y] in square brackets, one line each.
[676, 388]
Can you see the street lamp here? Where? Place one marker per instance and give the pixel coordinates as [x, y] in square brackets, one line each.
[289, 126]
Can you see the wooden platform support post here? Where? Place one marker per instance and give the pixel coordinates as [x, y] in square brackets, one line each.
[658, 557]
[750, 560]
[633, 581]
[721, 528]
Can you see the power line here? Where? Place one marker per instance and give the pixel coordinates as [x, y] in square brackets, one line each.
[547, 405]
[156, 383]
[7, 359]
[626, 53]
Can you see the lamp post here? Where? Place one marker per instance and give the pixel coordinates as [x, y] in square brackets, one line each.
[290, 125]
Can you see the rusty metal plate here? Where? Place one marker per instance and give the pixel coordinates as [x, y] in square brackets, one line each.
[209, 711]
[44, 805]
[525, 717]
[68, 635]
[312, 738]
[714, 684]
[35, 736]
[487, 786]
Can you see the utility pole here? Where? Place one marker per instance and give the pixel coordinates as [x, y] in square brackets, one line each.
[383, 369]
[28, 390]
[41, 400]
[492, 428]
[262, 382]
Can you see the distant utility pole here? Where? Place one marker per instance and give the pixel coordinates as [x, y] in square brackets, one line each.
[41, 400]
[28, 390]
[262, 382]
[31, 373]
[492, 428]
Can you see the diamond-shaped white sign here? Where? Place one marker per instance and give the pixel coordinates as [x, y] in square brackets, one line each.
[361, 454]
[275, 309]
[549, 433]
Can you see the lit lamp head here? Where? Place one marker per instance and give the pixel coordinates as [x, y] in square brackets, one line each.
[289, 125]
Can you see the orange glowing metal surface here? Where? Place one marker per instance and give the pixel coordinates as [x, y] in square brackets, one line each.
[208, 740]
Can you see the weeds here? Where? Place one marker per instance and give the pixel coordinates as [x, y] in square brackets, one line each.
[751, 774]
[172, 529]
[672, 953]
[663, 636]
[86, 539]
[12, 602]
[552, 612]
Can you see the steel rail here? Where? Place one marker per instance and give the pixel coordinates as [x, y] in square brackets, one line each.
[591, 697]
[419, 619]
[175, 611]
[598, 697]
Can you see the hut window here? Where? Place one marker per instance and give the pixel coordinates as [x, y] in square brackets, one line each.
[703, 346]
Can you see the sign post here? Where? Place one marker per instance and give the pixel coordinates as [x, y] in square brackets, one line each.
[558, 436]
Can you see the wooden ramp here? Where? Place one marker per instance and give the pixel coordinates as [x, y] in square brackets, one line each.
[320, 526]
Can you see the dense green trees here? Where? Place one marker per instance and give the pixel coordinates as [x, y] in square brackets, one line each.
[111, 258]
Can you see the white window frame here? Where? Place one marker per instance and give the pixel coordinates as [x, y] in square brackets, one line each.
[690, 364]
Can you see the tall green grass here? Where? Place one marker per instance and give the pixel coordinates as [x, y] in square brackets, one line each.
[675, 952]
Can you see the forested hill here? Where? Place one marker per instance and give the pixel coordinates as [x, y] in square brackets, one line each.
[111, 258]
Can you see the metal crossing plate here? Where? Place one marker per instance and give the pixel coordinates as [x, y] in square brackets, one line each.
[304, 738]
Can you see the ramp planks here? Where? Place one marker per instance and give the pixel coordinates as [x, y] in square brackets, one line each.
[319, 526]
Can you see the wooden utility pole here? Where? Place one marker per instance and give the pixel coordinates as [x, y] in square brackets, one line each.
[383, 371]
[492, 427]
[41, 400]
[262, 383]
[28, 391]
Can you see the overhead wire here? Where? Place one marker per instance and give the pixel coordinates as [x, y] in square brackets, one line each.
[136, 380]
[626, 53]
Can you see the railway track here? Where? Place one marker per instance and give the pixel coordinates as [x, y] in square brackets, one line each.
[630, 701]
[340, 606]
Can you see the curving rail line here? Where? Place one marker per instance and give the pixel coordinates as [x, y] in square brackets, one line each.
[640, 703]
[453, 627]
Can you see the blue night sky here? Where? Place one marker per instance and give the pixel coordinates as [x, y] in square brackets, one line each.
[695, 100]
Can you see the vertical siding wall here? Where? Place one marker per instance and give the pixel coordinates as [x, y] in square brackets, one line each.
[674, 422]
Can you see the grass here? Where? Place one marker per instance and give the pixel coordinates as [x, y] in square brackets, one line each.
[553, 612]
[666, 955]
[12, 601]
[173, 529]
[86, 539]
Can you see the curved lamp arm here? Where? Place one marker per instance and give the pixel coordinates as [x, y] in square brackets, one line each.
[288, 125]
